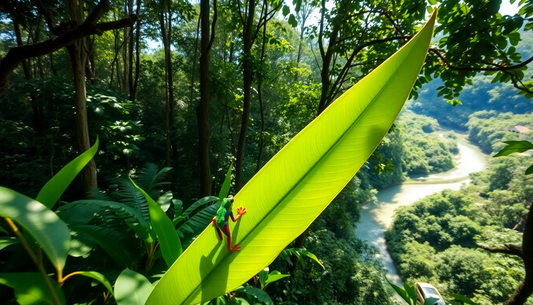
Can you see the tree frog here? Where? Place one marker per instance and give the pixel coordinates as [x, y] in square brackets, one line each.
[220, 221]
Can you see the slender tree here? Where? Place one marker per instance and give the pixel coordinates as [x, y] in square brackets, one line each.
[202, 110]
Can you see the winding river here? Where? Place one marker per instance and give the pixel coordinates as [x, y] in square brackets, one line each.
[376, 218]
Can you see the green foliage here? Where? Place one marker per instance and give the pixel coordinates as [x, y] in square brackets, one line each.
[40, 222]
[30, 288]
[489, 129]
[132, 288]
[169, 240]
[436, 239]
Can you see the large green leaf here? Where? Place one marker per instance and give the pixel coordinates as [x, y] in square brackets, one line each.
[132, 288]
[297, 184]
[31, 288]
[55, 187]
[169, 240]
[514, 147]
[38, 220]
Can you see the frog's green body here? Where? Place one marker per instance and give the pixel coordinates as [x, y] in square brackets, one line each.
[221, 220]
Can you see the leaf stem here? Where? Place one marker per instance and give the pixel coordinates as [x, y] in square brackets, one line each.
[63, 279]
[36, 260]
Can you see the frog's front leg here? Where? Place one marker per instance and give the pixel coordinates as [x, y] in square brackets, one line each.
[240, 211]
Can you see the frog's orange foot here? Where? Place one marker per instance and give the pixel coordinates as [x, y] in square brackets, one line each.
[241, 210]
[235, 248]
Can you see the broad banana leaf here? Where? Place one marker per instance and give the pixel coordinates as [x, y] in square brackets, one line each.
[40, 222]
[297, 184]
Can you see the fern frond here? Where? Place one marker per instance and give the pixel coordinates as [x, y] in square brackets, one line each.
[196, 224]
[130, 196]
[133, 217]
[115, 243]
[151, 180]
[97, 194]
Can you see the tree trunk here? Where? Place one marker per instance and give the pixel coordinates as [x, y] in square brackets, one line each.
[260, 95]
[78, 58]
[130, 52]
[166, 27]
[525, 289]
[305, 11]
[247, 86]
[137, 54]
[202, 110]
[38, 111]
[91, 78]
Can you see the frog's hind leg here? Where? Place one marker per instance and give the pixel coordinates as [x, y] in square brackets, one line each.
[228, 234]
[218, 230]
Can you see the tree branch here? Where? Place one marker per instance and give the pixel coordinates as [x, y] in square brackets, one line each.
[89, 27]
[517, 83]
[47, 16]
[497, 67]
[508, 249]
[213, 25]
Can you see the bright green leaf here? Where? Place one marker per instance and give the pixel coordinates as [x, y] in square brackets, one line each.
[410, 291]
[40, 222]
[99, 277]
[55, 187]
[132, 288]
[297, 184]
[275, 276]
[400, 292]
[224, 190]
[31, 288]
[514, 147]
[313, 257]
[169, 241]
